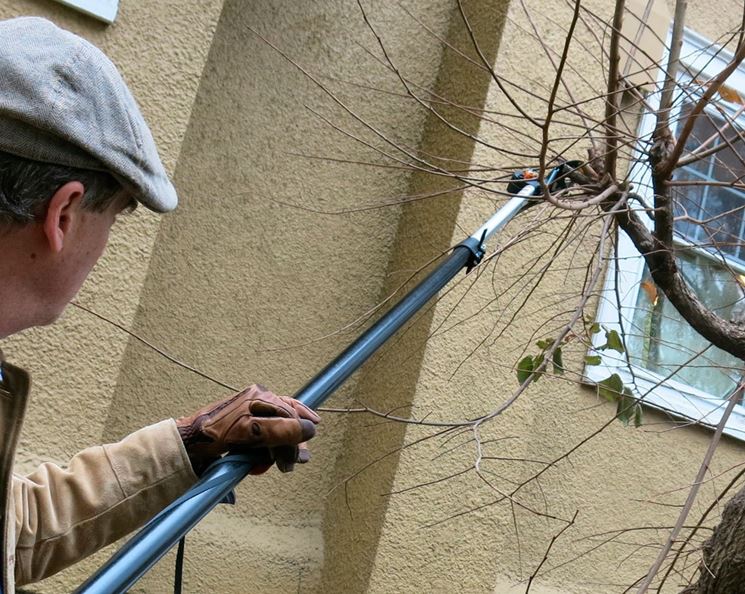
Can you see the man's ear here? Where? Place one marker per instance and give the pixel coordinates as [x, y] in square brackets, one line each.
[62, 213]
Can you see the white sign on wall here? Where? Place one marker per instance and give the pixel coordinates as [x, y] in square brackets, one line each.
[104, 10]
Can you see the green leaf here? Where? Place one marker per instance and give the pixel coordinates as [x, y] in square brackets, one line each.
[537, 362]
[545, 344]
[613, 341]
[624, 410]
[593, 360]
[638, 415]
[595, 328]
[620, 414]
[558, 362]
[611, 388]
[525, 369]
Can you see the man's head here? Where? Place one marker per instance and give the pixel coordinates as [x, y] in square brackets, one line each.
[54, 225]
[74, 152]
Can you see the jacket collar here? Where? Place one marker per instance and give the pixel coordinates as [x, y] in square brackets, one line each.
[14, 390]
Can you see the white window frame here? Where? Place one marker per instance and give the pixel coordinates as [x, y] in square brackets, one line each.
[104, 10]
[676, 398]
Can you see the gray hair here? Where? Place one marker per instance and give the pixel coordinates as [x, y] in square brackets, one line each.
[26, 187]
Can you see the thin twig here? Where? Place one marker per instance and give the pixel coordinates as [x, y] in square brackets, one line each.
[548, 550]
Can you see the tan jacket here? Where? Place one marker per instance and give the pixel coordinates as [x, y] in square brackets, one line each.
[56, 516]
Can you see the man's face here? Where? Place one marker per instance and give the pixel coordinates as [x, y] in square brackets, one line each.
[44, 263]
[84, 242]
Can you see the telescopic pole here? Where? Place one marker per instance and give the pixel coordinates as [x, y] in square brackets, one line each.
[157, 537]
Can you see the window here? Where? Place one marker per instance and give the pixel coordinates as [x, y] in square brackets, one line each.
[670, 365]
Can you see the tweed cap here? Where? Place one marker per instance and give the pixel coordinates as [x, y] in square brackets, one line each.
[62, 101]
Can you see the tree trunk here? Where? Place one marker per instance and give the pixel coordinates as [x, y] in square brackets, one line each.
[722, 570]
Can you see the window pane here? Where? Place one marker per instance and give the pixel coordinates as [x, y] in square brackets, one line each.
[662, 342]
[705, 127]
[723, 221]
[728, 162]
[718, 211]
[689, 202]
[729, 167]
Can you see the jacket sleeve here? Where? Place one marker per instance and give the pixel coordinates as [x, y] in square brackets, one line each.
[64, 514]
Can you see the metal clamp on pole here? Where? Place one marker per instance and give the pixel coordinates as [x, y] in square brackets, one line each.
[477, 249]
[523, 184]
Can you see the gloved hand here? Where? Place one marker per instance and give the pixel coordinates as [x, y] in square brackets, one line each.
[253, 418]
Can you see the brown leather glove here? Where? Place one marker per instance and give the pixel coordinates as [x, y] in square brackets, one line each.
[253, 418]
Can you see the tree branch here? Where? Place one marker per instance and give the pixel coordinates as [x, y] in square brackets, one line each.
[726, 335]
[612, 97]
[671, 71]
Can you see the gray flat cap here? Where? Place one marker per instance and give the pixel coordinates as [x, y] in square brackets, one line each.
[62, 101]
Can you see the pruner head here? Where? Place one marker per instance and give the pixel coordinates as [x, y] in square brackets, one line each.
[522, 178]
[556, 178]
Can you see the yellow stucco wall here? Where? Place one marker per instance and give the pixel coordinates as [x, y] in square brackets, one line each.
[272, 264]
[368, 466]
[261, 276]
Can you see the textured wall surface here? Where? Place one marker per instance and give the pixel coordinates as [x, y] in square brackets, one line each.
[368, 466]
[291, 230]
[279, 252]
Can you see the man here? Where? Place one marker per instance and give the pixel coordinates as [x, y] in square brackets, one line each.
[75, 152]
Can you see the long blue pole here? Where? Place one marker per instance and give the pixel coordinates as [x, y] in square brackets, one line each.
[162, 532]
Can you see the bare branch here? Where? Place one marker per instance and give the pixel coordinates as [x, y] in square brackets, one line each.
[727, 335]
[612, 99]
[548, 550]
[671, 70]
